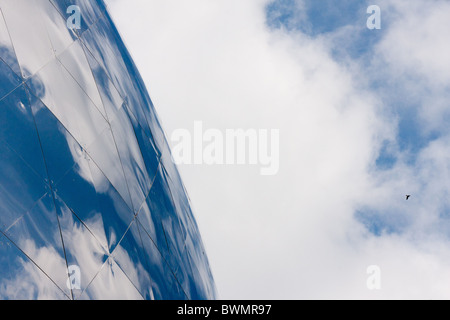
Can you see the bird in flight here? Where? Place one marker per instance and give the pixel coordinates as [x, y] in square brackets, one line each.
[408, 196]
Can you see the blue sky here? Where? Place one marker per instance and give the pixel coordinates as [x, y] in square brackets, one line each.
[315, 17]
[363, 119]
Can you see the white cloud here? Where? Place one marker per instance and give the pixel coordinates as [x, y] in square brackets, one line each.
[292, 235]
[421, 41]
[414, 51]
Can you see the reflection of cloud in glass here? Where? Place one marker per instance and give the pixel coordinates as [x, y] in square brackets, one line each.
[34, 25]
[78, 157]
[101, 278]
[29, 282]
[111, 284]
[6, 49]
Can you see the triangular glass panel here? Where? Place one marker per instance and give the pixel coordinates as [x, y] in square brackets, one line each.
[61, 37]
[18, 130]
[75, 61]
[172, 170]
[179, 194]
[104, 153]
[80, 195]
[77, 190]
[143, 99]
[194, 246]
[136, 106]
[195, 290]
[111, 284]
[7, 53]
[177, 263]
[152, 226]
[90, 11]
[70, 171]
[60, 148]
[61, 6]
[149, 152]
[22, 279]
[129, 255]
[9, 81]
[68, 102]
[116, 214]
[20, 187]
[164, 284]
[161, 204]
[181, 273]
[182, 205]
[84, 252]
[201, 284]
[38, 235]
[187, 281]
[138, 180]
[28, 33]
[102, 42]
[112, 101]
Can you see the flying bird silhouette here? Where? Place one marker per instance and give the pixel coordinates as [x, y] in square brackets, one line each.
[407, 196]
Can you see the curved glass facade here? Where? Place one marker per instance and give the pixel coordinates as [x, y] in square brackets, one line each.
[91, 204]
